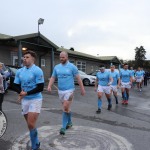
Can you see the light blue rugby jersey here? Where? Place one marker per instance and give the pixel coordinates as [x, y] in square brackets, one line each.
[103, 78]
[115, 75]
[132, 73]
[138, 74]
[65, 74]
[125, 75]
[28, 78]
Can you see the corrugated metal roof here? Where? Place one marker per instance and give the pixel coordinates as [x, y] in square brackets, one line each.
[101, 58]
[21, 37]
[77, 53]
[26, 36]
[107, 57]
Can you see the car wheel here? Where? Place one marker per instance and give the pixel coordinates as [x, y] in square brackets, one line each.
[86, 82]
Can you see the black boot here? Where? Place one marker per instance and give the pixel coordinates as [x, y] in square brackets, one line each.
[0, 108]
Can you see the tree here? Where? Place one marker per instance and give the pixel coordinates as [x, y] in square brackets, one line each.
[146, 65]
[131, 63]
[140, 56]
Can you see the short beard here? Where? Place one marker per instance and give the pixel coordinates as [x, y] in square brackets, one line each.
[63, 62]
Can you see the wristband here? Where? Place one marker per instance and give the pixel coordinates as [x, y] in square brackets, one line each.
[109, 83]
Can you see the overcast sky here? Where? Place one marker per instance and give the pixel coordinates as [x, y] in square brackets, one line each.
[96, 27]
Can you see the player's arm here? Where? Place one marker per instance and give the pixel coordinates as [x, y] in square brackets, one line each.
[131, 78]
[120, 74]
[52, 80]
[80, 84]
[96, 83]
[16, 88]
[39, 88]
[17, 85]
[76, 74]
[110, 80]
[119, 80]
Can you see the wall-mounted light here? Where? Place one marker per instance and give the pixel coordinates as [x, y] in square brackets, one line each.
[24, 48]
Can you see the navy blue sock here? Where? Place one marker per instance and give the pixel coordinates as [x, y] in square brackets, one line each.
[124, 95]
[116, 97]
[99, 103]
[34, 138]
[37, 139]
[69, 117]
[127, 96]
[109, 101]
[64, 119]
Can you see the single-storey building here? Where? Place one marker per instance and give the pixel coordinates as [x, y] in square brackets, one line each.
[13, 47]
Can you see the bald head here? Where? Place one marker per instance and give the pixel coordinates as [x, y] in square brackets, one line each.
[63, 57]
[63, 53]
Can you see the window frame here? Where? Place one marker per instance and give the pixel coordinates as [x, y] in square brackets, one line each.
[81, 65]
[43, 62]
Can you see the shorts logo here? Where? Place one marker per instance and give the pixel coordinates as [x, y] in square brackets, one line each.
[3, 124]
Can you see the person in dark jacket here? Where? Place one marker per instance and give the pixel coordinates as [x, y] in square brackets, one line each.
[145, 78]
[1, 89]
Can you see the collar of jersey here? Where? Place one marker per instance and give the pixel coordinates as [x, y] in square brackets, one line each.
[30, 67]
[65, 63]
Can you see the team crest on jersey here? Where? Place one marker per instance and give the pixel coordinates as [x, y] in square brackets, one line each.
[41, 77]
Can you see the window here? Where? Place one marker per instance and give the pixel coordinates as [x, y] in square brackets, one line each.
[43, 62]
[81, 65]
[15, 61]
[71, 61]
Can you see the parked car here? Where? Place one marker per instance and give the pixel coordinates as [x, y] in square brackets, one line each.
[12, 70]
[6, 75]
[93, 73]
[86, 79]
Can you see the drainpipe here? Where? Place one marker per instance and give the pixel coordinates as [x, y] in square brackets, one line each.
[19, 54]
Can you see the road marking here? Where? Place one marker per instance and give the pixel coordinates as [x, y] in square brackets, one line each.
[3, 123]
[76, 138]
[44, 109]
[12, 109]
